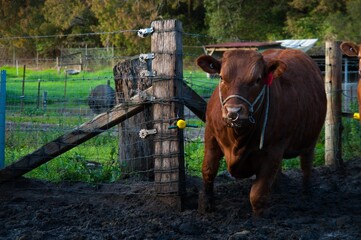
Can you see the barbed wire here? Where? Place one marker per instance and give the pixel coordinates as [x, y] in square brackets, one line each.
[67, 35]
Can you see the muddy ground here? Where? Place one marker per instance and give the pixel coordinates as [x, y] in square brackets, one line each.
[31, 209]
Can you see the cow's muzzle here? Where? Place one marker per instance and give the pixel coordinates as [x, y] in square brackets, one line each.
[234, 115]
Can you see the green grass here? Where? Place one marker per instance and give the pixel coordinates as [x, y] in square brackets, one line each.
[63, 114]
[78, 163]
[198, 81]
[70, 89]
[74, 165]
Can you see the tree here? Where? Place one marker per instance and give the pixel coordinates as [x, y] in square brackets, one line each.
[234, 20]
[20, 19]
[345, 24]
[190, 12]
[315, 18]
[124, 18]
[72, 18]
[31, 20]
[226, 20]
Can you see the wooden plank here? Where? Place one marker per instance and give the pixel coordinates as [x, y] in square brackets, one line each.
[347, 114]
[79, 135]
[166, 44]
[194, 102]
[333, 86]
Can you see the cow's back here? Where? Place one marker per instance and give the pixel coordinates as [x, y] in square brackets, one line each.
[297, 103]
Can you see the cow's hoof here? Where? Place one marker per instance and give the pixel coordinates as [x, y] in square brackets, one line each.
[262, 214]
[205, 203]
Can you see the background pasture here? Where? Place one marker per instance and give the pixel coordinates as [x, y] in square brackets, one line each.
[45, 101]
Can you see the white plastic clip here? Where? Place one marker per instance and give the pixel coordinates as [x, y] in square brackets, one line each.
[146, 56]
[143, 133]
[145, 32]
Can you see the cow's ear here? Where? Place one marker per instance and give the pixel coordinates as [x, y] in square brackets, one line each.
[209, 64]
[350, 49]
[276, 67]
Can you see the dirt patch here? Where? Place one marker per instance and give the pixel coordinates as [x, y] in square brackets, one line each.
[31, 209]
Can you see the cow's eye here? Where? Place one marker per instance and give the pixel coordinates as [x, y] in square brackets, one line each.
[254, 83]
[221, 79]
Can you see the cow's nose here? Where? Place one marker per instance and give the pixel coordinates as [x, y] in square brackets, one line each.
[233, 113]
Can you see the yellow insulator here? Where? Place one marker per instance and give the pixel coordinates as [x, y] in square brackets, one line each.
[181, 124]
[356, 116]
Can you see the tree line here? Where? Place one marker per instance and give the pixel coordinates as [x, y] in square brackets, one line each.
[44, 26]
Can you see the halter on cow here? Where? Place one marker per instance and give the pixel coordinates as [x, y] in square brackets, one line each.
[290, 101]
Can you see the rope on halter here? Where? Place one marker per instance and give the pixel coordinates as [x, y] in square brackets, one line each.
[261, 141]
[259, 98]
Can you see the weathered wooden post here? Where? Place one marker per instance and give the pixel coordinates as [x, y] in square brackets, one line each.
[135, 154]
[333, 86]
[166, 45]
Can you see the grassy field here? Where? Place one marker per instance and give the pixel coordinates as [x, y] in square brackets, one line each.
[67, 97]
[34, 124]
[67, 108]
[72, 89]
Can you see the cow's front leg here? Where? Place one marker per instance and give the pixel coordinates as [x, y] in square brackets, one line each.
[212, 157]
[206, 198]
[261, 188]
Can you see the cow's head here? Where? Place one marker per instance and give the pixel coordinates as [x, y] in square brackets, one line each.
[353, 50]
[350, 49]
[244, 77]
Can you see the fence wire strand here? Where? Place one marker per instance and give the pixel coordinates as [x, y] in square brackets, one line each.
[52, 106]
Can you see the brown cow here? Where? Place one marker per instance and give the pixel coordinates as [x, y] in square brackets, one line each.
[353, 50]
[266, 107]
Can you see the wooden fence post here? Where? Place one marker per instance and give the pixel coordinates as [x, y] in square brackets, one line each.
[169, 173]
[135, 154]
[333, 86]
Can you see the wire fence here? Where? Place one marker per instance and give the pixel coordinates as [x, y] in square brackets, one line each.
[43, 105]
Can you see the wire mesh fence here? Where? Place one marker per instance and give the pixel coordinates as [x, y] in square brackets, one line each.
[43, 105]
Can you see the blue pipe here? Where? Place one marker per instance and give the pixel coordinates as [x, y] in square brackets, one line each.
[2, 118]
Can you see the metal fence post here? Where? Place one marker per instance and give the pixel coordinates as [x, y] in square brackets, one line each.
[2, 118]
